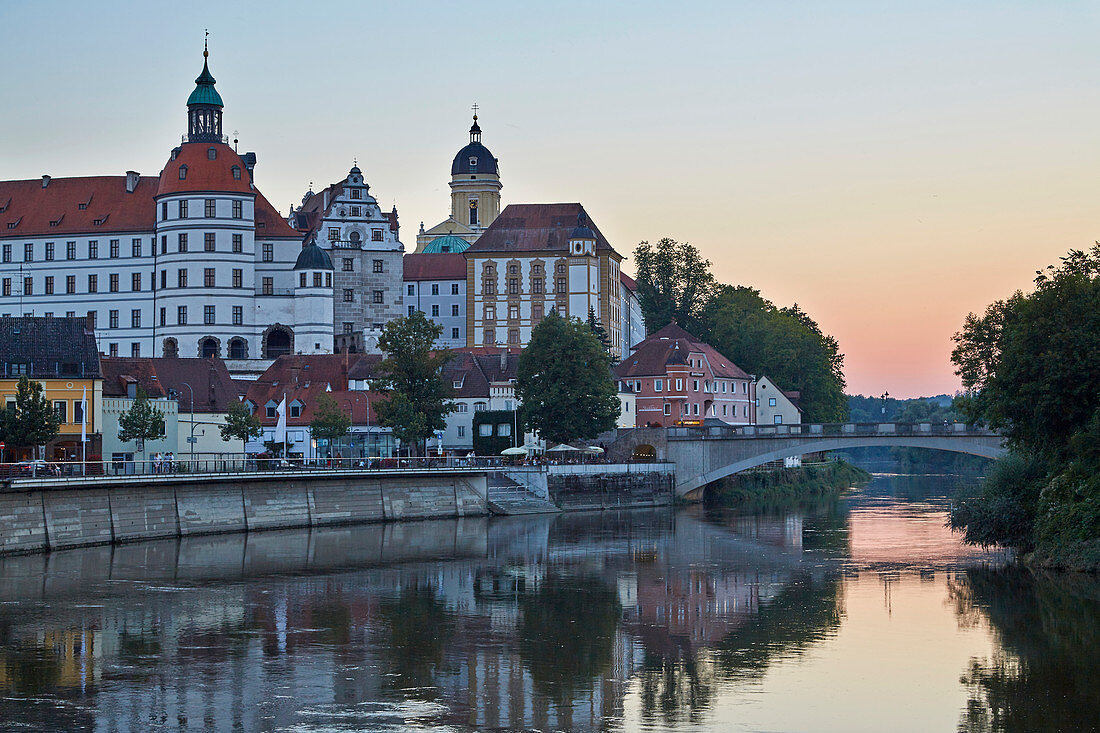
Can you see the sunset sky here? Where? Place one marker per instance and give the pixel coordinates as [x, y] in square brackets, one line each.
[888, 166]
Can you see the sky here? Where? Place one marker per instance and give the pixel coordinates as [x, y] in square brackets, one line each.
[890, 167]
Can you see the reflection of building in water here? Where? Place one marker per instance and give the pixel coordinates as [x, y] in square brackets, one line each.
[541, 624]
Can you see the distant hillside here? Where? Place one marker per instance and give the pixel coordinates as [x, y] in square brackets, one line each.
[916, 409]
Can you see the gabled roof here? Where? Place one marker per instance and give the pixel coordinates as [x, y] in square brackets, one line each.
[120, 372]
[476, 368]
[535, 228]
[671, 346]
[207, 381]
[38, 211]
[434, 267]
[628, 281]
[303, 377]
[48, 347]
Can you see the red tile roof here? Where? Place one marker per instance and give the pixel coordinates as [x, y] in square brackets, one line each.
[628, 281]
[535, 228]
[204, 174]
[477, 367]
[41, 212]
[120, 372]
[304, 377]
[434, 267]
[269, 224]
[671, 346]
[207, 381]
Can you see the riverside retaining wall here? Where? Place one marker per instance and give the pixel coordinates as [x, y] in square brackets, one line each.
[48, 514]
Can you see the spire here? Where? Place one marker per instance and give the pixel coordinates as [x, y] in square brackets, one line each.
[204, 106]
[205, 93]
[475, 129]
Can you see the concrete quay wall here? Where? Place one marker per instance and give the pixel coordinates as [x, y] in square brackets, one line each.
[49, 514]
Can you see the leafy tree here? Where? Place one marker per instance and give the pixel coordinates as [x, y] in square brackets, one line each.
[674, 283]
[598, 329]
[31, 421]
[784, 343]
[564, 382]
[329, 421]
[141, 422]
[416, 397]
[1029, 363]
[240, 424]
[1029, 367]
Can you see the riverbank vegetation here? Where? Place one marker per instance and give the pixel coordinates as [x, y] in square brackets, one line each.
[784, 343]
[785, 486]
[1029, 365]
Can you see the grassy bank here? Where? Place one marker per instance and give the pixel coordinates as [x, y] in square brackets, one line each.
[786, 485]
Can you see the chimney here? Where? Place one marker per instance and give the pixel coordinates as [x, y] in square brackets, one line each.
[132, 178]
[503, 360]
[45, 181]
[326, 199]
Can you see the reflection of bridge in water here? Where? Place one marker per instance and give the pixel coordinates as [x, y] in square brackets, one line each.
[706, 454]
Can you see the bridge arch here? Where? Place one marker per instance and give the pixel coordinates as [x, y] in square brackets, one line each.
[717, 459]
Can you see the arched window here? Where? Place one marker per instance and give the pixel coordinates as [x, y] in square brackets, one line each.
[208, 347]
[236, 172]
[238, 348]
[278, 341]
[171, 348]
[354, 237]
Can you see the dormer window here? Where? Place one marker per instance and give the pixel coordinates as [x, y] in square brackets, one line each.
[211, 153]
[473, 161]
[99, 222]
[11, 224]
[82, 206]
[183, 172]
[236, 172]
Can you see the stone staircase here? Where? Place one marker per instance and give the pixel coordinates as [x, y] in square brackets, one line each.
[509, 497]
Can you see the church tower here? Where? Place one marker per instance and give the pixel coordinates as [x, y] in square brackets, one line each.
[204, 107]
[475, 197]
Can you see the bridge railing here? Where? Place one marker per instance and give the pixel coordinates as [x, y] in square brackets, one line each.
[804, 430]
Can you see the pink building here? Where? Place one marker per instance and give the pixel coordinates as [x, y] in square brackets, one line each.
[678, 379]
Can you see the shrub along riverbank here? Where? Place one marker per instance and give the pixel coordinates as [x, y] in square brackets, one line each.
[786, 485]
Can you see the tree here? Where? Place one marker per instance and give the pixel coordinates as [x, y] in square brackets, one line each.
[674, 283]
[141, 422]
[784, 343]
[241, 424]
[416, 397]
[1029, 363]
[31, 421]
[329, 421]
[597, 328]
[564, 382]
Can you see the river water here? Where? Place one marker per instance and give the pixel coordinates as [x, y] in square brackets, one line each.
[864, 615]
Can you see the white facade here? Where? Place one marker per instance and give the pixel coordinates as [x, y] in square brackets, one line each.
[442, 301]
[633, 322]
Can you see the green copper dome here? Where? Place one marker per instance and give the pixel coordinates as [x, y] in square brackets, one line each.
[449, 243]
[205, 93]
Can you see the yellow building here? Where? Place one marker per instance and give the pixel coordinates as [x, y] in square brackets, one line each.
[475, 197]
[61, 354]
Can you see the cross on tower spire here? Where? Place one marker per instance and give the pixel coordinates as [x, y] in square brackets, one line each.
[206, 43]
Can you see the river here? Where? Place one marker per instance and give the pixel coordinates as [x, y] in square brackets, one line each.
[863, 615]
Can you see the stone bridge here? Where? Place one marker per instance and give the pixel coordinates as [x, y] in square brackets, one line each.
[706, 454]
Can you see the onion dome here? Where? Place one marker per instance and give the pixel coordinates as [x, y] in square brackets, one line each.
[449, 243]
[474, 158]
[205, 93]
[313, 257]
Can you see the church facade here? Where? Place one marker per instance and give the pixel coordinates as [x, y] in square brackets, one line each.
[191, 262]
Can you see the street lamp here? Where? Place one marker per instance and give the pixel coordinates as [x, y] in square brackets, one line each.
[885, 396]
[191, 439]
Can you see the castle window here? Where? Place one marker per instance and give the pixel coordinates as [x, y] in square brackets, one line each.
[376, 235]
[238, 278]
[356, 211]
[356, 193]
[237, 210]
[211, 153]
[238, 243]
[210, 208]
[183, 172]
[316, 279]
[377, 265]
[268, 252]
[377, 296]
[349, 295]
[236, 172]
[473, 161]
[333, 234]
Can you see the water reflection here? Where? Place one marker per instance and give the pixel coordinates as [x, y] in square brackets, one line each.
[653, 619]
[1043, 676]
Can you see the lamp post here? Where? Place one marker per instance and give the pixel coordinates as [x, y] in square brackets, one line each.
[191, 439]
[885, 396]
